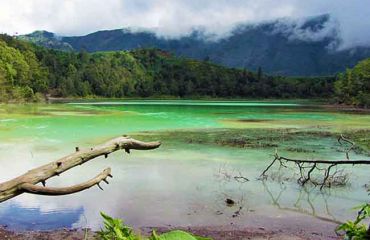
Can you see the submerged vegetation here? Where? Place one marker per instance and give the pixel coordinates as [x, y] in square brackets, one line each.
[288, 140]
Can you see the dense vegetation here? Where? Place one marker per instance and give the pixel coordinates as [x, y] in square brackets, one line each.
[28, 72]
[22, 76]
[353, 86]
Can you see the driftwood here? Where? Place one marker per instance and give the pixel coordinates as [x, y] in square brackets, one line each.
[308, 167]
[26, 183]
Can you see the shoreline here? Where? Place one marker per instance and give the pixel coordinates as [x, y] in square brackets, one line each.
[216, 233]
[274, 228]
[309, 102]
[174, 98]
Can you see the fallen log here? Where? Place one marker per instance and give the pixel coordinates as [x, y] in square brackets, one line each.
[26, 183]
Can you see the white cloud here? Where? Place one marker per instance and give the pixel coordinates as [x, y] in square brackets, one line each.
[177, 17]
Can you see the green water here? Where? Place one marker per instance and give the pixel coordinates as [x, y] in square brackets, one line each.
[183, 182]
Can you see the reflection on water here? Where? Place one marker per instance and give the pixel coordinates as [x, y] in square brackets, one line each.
[180, 183]
[308, 200]
[18, 217]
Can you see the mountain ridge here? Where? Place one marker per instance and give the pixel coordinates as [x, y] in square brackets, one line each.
[308, 47]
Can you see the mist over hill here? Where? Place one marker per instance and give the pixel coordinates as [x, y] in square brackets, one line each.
[295, 47]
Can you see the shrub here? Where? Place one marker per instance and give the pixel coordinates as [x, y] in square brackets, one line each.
[115, 229]
[356, 230]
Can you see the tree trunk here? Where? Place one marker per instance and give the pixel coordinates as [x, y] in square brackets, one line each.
[27, 182]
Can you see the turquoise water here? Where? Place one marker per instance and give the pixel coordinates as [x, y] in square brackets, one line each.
[182, 183]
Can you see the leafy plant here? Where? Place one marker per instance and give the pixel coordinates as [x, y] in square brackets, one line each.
[176, 235]
[356, 230]
[115, 229]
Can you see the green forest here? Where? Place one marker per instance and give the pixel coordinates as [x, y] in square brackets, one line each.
[353, 86]
[29, 73]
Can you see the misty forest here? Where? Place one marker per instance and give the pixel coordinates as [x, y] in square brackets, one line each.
[258, 132]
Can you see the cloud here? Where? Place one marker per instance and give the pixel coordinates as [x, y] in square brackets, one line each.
[311, 29]
[173, 18]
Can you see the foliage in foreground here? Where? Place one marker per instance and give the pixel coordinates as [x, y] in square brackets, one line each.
[357, 230]
[115, 229]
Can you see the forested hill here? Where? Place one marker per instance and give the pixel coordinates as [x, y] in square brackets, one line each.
[304, 47]
[353, 86]
[28, 72]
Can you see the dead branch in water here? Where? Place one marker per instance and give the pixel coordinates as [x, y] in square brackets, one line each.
[27, 182]
[226, 174]
[308, 167]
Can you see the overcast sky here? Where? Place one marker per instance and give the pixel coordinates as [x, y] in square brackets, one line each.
[177, 17]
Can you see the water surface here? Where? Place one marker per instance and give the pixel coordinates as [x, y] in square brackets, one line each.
[184, 182]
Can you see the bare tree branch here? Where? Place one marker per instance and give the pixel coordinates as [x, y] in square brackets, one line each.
[27, 182]
[53, 191]
[352, 144]
[329, 177]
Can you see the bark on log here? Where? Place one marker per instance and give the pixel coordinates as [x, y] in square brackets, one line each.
[27, 182]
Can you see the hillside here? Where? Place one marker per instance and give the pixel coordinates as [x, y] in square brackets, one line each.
[27, 72]
[308, 47]
[353, 86]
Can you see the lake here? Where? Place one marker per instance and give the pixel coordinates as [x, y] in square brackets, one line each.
[184, 182]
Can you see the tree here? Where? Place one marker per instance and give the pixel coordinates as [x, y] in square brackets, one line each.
[259, 74]
[353, 86]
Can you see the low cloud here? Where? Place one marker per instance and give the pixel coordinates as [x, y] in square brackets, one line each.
[174, 18]
[311, 29]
